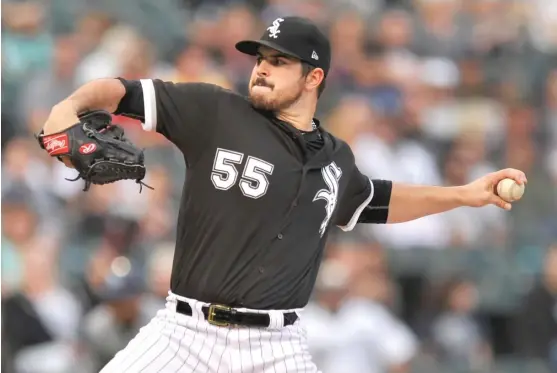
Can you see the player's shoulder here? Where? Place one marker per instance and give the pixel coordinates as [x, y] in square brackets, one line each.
[217, 96]
[234, 97]
[197, 87]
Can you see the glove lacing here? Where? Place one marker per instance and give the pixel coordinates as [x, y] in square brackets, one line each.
[88, 182]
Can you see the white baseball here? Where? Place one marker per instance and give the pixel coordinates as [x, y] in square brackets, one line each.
[509, 190]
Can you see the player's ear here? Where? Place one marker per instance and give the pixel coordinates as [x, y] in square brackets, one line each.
[314, 78]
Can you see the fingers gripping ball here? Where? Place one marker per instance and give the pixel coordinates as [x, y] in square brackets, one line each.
[97, 149]
[510, 190]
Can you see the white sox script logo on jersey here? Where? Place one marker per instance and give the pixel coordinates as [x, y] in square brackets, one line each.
[274, 29]
[331, 174]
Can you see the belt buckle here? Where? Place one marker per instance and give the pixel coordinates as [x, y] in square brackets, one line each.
[212, 313]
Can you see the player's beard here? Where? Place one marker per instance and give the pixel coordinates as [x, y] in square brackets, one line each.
[274, 102]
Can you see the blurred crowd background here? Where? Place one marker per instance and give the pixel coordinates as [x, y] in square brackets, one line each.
[425, 91]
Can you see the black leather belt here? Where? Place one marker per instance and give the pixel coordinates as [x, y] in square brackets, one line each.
[219, 315]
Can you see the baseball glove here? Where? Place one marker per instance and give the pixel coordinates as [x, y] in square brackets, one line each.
[97, 149]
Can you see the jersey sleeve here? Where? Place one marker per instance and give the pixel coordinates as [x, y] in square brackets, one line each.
[364, 201]
[185, 113]
[356, 197]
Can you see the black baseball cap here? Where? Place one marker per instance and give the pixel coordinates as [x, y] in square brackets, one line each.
[296, 37]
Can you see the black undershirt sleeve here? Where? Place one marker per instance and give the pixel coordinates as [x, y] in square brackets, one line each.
[364, 201]
[377, 210]
[131, 104]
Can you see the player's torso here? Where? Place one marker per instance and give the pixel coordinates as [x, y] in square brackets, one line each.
[255, 211]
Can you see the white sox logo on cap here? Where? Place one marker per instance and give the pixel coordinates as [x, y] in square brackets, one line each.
[274, 29]
[295, 37]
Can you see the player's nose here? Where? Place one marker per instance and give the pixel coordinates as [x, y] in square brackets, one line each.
[263, 69]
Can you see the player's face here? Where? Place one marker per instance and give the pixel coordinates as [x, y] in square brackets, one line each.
[276, 81]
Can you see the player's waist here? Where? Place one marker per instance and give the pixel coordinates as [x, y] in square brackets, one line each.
[223, 315]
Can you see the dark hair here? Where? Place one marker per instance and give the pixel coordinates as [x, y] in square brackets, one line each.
[306, 69]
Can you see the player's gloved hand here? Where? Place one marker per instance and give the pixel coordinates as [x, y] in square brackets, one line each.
[97, 149]
[483, 191]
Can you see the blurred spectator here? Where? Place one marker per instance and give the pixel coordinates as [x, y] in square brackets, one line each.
[41, 320]
[382, 153]
[521, 152]
[367, 337]
[551, 222]
[237, 23]
[361, 118]
[542, 25]
[550, 114]
[440, 78]
[444, 31]
[495, 25]
[112, 324]
[20, 225]
[536, 336]
[458, 338]
[91, 28]
[470, 227]
[194, 65]
[26, 44]
[347, 37]
[321, 314]
[51, 86]
[26, 49]
[21, 168]
[395, 34]
[103, 60]
[159, 271]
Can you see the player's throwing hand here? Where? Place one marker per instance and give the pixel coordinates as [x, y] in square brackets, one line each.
[483, 191]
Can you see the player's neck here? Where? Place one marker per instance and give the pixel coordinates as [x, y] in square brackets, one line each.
[300, 118]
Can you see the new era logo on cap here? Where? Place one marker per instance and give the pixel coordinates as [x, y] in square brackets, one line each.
[294, 36]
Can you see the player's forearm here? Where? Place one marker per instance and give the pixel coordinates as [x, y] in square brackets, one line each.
[101, 94]
[409, 202]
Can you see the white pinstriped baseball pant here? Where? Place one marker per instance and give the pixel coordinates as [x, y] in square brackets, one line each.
[173, 342]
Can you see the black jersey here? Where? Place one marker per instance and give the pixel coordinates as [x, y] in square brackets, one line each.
[259, 199]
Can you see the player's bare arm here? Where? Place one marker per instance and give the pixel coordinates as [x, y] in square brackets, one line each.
[101, 94]
[409, 202]
[385, 202]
